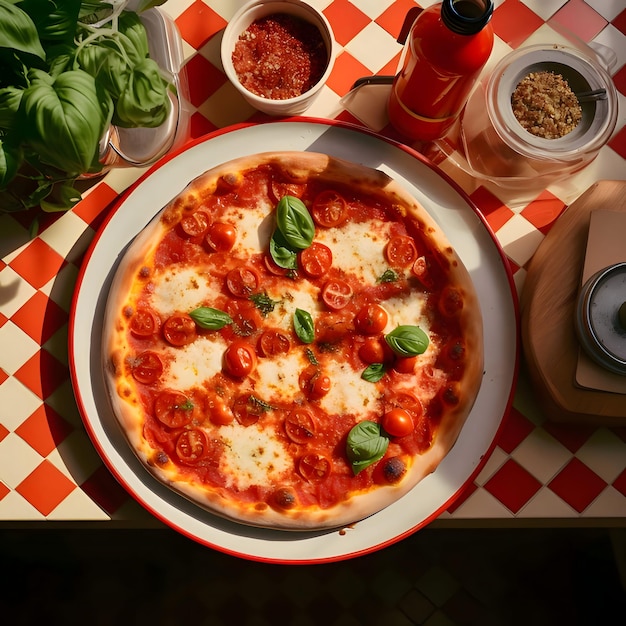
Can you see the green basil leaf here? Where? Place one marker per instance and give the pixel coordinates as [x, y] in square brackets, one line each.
[388, 276]
[303, 325]
[264, 303]
[18, 31]
[65, 118]
[63, 196]
[107, 64]
[295, 222]
[365, 445]
[131, 26]
[10, 98]
[406, 340]
[10, 160]
[373, 373]
[210, 318]
[55, 21]
[144, 101]
[282, 255]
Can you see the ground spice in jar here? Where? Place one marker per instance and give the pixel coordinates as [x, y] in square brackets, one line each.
[280, 57]
[545, 105]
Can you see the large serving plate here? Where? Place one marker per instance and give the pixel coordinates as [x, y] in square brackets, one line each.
[468, 234]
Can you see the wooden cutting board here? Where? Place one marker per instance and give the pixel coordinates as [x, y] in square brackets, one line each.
[548, 308]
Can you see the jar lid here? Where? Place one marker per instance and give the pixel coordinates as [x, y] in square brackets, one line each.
[601, 318]
[466, 17]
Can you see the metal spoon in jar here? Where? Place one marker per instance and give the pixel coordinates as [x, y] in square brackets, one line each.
[591, 96]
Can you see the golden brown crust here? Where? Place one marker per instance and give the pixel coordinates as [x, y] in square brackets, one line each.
[135, 267]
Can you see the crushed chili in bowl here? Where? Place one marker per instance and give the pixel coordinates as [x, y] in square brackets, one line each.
[280, 57]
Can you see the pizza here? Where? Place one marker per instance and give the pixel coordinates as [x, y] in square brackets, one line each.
[292, 342]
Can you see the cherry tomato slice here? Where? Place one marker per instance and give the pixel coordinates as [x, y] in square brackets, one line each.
[336, 294]
[221, 237]
[371, 319]
[147, 367]
[280, 188]
[329, 209]
[243, 281]
[275, 269]
[144, 323]
[407, 400]
[173, 409]
[247, 409]
[273, 343]
[398, 422]
[314, 383]
[300, 426]
[179, 329]
[219, 413]
[247, 319]
[316, 260]
[421, 270]
[401, 251]
[191, 445]
[195, 224]
[314, 467]
[332, 328]
[239, 359]
[405, 365]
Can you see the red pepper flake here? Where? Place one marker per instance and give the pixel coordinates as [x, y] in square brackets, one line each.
[280, 56]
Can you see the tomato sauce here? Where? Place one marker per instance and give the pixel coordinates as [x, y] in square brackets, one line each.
[280, 57]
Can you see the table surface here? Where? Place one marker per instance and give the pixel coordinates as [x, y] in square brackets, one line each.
[539, 471]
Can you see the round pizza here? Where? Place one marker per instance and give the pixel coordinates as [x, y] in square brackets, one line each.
[292, 342]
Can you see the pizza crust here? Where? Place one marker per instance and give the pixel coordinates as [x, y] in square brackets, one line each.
[132, 268]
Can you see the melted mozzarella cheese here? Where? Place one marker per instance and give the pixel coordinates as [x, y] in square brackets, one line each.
[252, 456]
[190, 365]
[253, 226]
[292, 300]
[358, 248]
[181, 290]
[410, 311]
[278, 378]
[349, 393]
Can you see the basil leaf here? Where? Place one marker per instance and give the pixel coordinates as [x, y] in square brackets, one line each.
[406, 340]
[295, 222]
[365, 445]
[373, 373]
[264, 303]
[55, 21]
[209, 318]
[303, 325]
[282, 255]
[132, 27]
[18, 31]
[10, 160]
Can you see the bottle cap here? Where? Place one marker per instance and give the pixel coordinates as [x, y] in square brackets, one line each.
[466, 17]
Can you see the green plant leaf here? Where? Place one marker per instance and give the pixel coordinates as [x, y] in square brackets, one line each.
[131, 26]
[373, 373]
[295, 222]
[64, 119]
[18, 31]
[10, 98]
[55, 21]
[210, 318]
[406, 340]
[10, 160]
[365, 445]
[304, 326]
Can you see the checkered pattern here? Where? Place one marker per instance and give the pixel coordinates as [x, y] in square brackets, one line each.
[49, 468]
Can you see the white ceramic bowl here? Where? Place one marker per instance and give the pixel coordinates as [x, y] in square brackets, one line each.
[258, 9]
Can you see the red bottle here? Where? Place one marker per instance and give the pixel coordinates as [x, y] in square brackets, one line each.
[447, 48]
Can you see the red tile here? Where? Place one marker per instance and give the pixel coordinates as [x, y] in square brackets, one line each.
[392, 19]
[3, 376]
[38, 263]
[515, 429]
[40, 317]
[204, 79]
[391, 68]
[42, 374]
[577, 485]
[618, 143]
[105, 491]
[198, 23]
[46, 487]
[346, 20]
[619, 79]
[4, 431]
[572, 437]
[4, 490]
[512, 485]
[579, 18]
[200, 126]
[514, 22]
[91, 207]
[495, 212]
[620, 483]
[620, 22]
[44, 430]
[543, 211]
[347, 69]
[463, 496]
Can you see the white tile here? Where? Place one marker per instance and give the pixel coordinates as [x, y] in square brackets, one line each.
[373, 8]
[544, 8]
[15, 291]
[541, 455]
[369, 105]
[17, 348]
[604, 453]
[78, 506]
[14, 236]
[495, 461]
[481, 505]
[77, 457]
[63, 402]
[615, 57]
[57, 345]
[17, 402]
[14, 507]
[63, 234]
[226, 107]
[520, 239]
[609, 504]
[546, 504]
[17, 460]
[373, 47]
[608, 9]
[61, 288]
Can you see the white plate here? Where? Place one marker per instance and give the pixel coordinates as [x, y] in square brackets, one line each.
[468, 234]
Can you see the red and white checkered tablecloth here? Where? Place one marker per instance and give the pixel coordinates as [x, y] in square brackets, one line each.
[539, 470]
